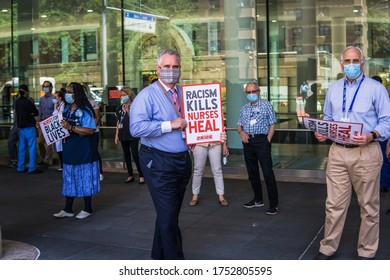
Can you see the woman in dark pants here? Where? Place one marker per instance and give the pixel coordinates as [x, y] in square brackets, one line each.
[128, 142]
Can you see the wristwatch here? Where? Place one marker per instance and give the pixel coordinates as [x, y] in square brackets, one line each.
[374, 136]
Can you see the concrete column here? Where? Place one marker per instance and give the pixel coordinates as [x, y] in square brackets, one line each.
[241, 67]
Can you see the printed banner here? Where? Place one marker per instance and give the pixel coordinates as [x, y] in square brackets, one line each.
[340, 132]
[52, 130]
[202, 108]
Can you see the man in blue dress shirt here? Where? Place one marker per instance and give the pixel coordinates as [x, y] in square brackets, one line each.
[360, 99]
[155, 117]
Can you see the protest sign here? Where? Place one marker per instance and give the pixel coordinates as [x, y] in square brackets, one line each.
[52, 130]
[340, 132]
[202, 109]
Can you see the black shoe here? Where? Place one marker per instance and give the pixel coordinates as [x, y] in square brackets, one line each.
[21, 171]
[253, 203]
[365, 258]
[322, 257]
[384, 190]
[388, 212]
[273, 211]
[35, 171]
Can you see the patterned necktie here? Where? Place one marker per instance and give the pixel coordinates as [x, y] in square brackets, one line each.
[175, 99]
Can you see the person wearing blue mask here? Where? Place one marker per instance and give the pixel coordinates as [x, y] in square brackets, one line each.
[46, 108]
[256, 126]
[355, 166]
[122, 134]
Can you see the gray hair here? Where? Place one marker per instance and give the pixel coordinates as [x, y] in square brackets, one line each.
[169, 52]
[362, 58]
[253, 83]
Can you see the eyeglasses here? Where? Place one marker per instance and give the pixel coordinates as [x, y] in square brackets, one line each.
[349, 61]
[253, 91]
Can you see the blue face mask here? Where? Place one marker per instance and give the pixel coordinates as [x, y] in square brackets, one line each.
[54, 100]
[46, 90]
[124, 99]
[352, 71]
[252, 97]
[69, 98]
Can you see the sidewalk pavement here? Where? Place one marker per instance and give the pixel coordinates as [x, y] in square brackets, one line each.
[123, 223]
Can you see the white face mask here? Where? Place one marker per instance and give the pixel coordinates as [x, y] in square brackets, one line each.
[54, 100]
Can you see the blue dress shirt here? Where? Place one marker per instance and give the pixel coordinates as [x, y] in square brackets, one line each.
[371, 106]
[150, 113]
[262, 112]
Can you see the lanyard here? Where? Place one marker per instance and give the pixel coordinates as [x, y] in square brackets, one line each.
[123, 113]
[354, 97]
[170, 98]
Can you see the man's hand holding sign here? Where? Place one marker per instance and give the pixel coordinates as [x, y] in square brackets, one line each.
[340, 132]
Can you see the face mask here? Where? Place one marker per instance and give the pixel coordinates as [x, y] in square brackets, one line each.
[54, 100]
[169, 76]
[46, 89]
[68, 98]
[124, 99]
[252, 97]
[352, 70]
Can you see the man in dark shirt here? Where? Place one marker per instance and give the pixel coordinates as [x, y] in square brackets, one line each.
[25, 120]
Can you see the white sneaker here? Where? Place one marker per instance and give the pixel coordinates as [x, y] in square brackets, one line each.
[63, 214]
[83, 214]
[101, 177]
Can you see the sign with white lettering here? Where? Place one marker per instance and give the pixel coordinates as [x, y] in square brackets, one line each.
[139, 22]
[52, 130]
[340, 132]
[202, 109]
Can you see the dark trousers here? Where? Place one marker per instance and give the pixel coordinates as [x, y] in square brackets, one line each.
[259, 150]
[167, 176]
[131, 148]
[13, 139]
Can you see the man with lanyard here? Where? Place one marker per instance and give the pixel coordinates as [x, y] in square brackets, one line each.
[359, 99]
[46, 108]
[256, 126]
[164, 158]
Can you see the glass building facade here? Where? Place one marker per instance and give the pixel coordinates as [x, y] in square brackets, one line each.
[291, 47]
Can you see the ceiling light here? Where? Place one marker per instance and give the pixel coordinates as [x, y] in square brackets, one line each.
[4, 10]
[89, 11]
[43, 16]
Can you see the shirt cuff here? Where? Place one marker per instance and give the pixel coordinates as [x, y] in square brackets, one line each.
[166, 127]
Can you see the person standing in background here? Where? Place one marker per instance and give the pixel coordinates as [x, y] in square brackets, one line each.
[96, 109]
[59, 105]
[25, 120]
[214, 151]
[46, 108]
[356, 166]
[122, 133]
[256, 126]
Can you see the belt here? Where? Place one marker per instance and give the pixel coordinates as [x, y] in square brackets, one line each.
[257, 135]
[348, 146]
[168, 154]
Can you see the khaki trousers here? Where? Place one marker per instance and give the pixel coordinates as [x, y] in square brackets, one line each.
[45, 151]
[357, 168]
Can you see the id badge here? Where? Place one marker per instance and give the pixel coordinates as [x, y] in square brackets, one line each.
[120, 126]
[183, 135]
[344, 119]
[252, 122]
